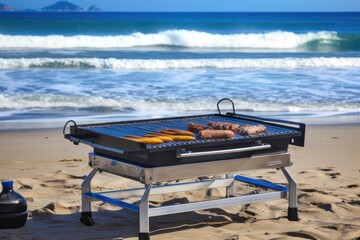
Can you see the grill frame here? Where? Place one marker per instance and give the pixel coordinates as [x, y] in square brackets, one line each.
[130, 159]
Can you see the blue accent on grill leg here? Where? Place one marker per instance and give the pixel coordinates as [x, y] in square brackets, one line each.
[113, 201]
[261, 183]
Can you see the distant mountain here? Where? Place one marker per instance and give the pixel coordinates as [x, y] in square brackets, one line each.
[62, 6]
[94, 8]
[5, 8]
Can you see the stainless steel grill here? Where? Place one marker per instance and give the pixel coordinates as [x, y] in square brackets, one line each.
[151, 164]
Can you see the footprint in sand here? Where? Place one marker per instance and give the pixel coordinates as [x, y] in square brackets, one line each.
[357, 203]
[301, 235]
[25, 186]
[317, 198]
[326, 207]
[330, 169]
[309, 190]
[233, 238]
[61, 207]
[334, 175]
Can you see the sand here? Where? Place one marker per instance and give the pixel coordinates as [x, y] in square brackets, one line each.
[48, 170]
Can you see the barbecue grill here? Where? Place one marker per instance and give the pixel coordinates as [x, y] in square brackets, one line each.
[155, 164]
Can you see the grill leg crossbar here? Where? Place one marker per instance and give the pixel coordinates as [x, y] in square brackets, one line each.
[260, 183]
[145, 211]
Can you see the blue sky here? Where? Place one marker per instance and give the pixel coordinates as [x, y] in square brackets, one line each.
[200, 5]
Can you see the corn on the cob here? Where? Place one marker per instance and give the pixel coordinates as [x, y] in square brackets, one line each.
[176, 132]
[162, 138]
[147, 140]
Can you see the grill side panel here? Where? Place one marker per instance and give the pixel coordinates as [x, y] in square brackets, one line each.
[169, 157]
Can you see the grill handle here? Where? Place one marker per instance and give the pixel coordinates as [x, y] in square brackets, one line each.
[226, 99]
[186, 154]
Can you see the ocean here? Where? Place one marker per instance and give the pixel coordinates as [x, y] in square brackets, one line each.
[114, 66]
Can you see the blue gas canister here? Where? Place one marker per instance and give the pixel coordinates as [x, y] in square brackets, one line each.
[13, 207]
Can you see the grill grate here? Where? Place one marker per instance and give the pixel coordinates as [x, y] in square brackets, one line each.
[141, 128]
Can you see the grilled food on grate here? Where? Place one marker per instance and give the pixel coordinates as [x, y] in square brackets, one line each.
[162, 138]
[215, 134]
[176, 132]
[195, 127]
[224, 126]
[147, 140]
[246, 129]
[172, 135]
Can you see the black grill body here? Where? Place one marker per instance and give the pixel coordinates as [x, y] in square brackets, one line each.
[109, 137]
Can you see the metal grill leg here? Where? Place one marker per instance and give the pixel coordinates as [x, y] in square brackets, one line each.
[230, 190]
[293, 204]
[144, 229]
[86, 214]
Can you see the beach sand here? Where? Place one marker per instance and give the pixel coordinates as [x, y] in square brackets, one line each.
[48, 171]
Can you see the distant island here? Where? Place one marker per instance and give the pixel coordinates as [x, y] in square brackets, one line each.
[6, 8]
[60, 6]
[94, 8]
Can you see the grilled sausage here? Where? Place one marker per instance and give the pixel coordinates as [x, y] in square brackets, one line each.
[215, 134]
[252, 130]
[195, 127]
[224, 126]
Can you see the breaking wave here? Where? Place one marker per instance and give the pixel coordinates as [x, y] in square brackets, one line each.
[175, 38]
[163, 64]
[54, 101]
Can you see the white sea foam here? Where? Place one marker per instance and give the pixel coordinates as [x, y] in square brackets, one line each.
[163, 64]
[48, 101]
[177, 38]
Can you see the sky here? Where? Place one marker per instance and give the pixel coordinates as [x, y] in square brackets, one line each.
[201, 5]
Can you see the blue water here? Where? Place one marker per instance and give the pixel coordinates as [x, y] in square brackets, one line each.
[101, 66]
